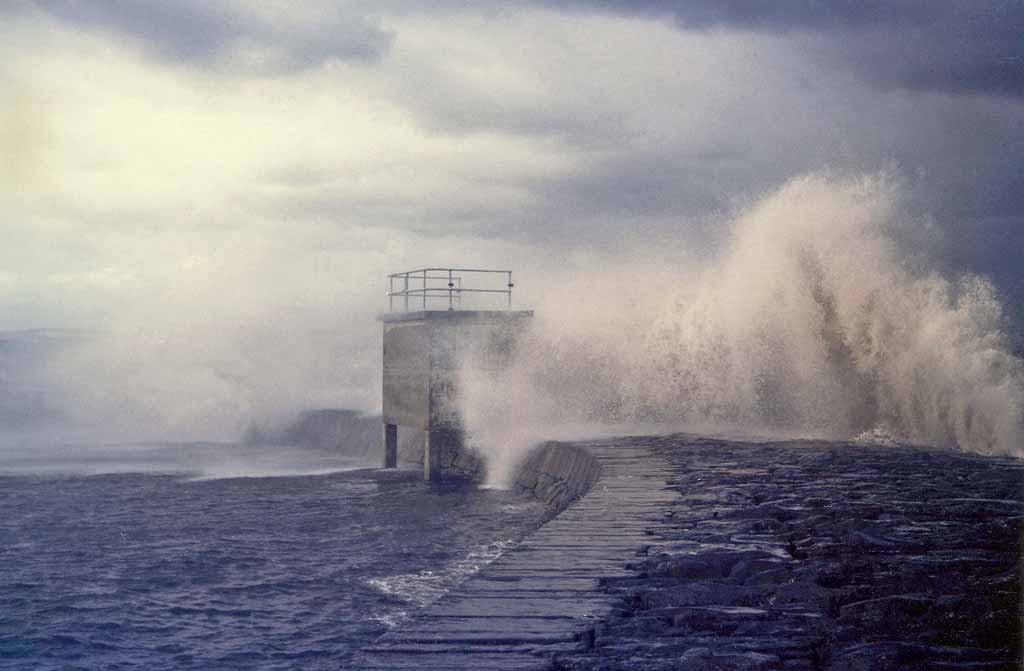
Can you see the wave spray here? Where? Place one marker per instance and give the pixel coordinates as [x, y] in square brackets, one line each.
[813, 319]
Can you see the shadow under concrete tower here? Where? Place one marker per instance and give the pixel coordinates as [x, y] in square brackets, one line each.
[427, 335]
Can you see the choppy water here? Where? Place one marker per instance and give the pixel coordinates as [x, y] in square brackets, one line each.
[150, 570]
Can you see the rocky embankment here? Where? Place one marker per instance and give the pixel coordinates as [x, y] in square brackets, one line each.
[822, 556]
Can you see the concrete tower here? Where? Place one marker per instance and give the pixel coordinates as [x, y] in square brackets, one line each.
[424, 348]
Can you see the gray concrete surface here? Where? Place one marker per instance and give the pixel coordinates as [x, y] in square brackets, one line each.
[422, 352]
[545, 594]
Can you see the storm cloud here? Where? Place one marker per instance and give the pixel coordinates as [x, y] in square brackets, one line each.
[232, 35]
[315, 129]
[957, 47]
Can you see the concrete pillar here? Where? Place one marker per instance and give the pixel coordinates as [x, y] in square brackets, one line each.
[390, 445]
[433, 445]
[439, 451]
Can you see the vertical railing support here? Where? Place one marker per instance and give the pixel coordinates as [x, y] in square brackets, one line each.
[451, 285]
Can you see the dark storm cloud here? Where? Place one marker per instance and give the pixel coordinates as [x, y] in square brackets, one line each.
[631, 194]
[205, 33]
[748, 95]
[966, 46]
[962, 46]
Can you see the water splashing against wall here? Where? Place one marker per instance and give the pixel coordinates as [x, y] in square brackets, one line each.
[813, 318]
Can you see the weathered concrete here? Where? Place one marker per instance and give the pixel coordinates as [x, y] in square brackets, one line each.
[422, 352]
[440, 450]
[557, 474]
[390, 445]
[406, 380]
[544, 595]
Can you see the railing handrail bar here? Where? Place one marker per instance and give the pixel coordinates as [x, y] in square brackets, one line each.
[420, 271]
[476, 270]
[421, 284]
[429, 277]
[446, 290]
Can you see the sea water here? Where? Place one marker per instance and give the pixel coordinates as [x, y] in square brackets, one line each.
[124, 564]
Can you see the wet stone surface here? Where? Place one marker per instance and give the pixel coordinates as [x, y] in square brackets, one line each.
[532, 603]
[820, 556]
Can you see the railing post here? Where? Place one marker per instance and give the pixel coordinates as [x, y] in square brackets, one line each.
[510, 285]
[406, 291]
[391, 293]
[451, 285]
[424, 290]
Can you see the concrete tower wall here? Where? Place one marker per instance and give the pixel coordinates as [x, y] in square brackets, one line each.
[422, 353]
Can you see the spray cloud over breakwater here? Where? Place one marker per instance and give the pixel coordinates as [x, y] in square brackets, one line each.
[812, 318]
[215, 340]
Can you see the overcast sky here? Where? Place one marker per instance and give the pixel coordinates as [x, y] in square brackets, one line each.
[159, 152]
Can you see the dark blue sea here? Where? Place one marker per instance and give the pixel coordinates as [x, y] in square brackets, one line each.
[259, 558]
[287, 551]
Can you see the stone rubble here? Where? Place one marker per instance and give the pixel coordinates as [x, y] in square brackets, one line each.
[815, 556]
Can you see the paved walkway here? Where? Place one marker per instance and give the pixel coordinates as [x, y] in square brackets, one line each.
[537, 598]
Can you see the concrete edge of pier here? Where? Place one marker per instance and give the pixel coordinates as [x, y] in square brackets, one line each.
[541, 597]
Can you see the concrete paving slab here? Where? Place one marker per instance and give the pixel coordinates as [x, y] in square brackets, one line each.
[539, 596]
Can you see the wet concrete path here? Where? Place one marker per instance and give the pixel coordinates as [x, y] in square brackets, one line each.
[536, 600]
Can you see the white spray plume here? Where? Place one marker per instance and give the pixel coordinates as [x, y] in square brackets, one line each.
[812, 320]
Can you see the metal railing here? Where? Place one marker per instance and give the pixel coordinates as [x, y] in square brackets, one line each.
[424, 287]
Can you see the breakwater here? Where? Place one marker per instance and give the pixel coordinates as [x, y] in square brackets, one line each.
[536, 600]
[719, 555]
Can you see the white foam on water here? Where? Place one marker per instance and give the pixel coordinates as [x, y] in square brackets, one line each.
[423, 588]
